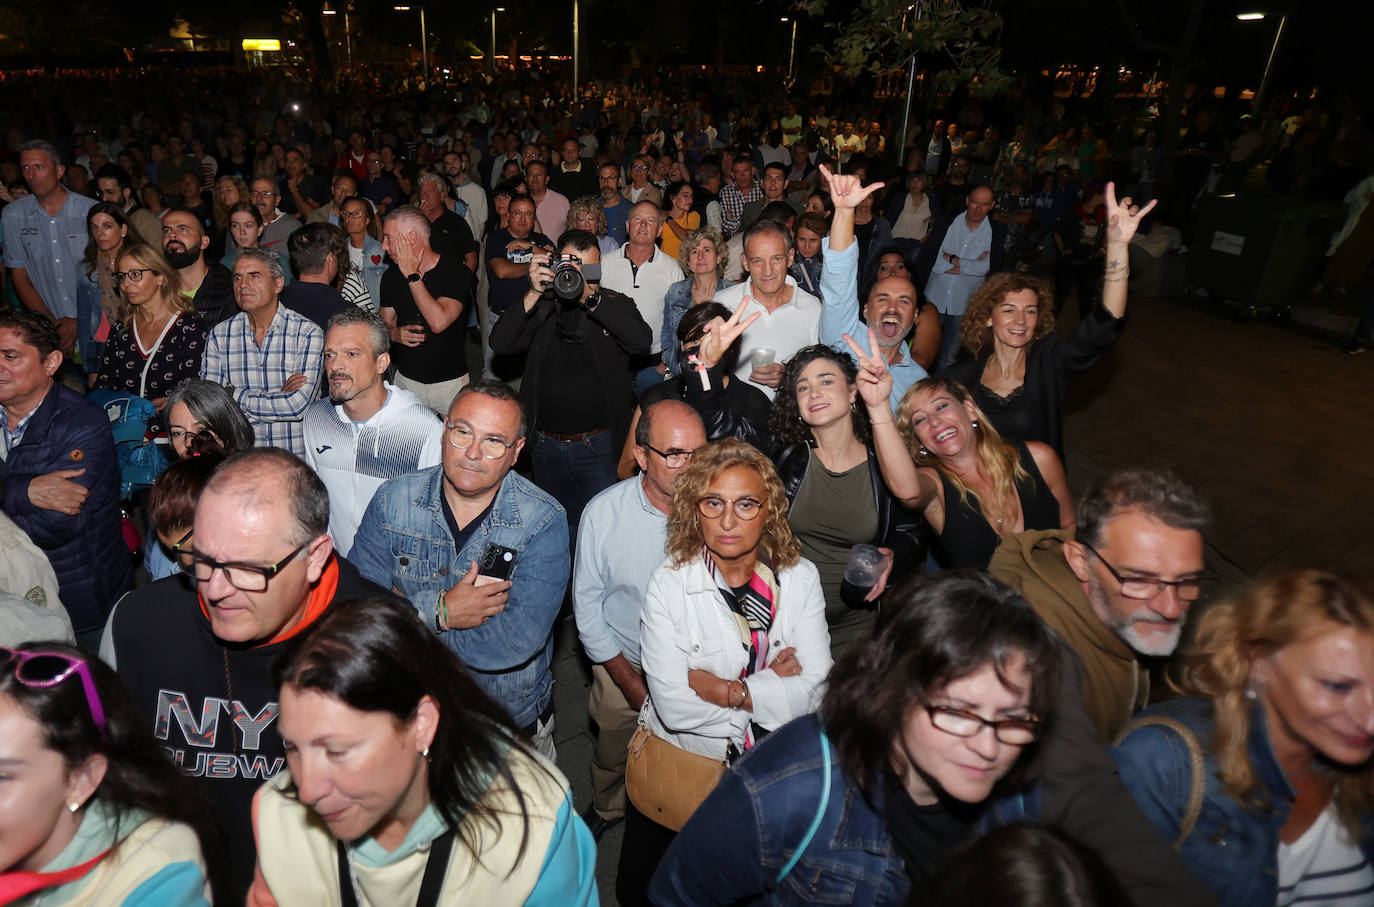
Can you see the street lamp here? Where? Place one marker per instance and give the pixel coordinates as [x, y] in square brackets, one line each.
[1273, 52]
[499, 9]
[424, 39]
[792, 48]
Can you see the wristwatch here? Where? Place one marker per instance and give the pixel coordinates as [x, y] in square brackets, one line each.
[413, 278]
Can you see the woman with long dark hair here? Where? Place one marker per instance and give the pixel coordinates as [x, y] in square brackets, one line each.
[91, 809]
[405, 784]
[926, 738]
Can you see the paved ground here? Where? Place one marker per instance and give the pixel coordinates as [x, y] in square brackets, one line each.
[1274, 427]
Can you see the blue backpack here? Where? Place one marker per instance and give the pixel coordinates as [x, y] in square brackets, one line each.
[141, 461]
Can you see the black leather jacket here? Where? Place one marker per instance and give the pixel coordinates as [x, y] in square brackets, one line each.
[905, 532]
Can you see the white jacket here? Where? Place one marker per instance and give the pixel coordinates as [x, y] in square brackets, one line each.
[353, 460]
[686, 624]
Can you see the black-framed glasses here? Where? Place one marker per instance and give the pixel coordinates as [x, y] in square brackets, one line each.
[134, 274]
[960, 723]
[713, 508]
[1145, 588]
[243, 577]
[674, 459]
[179, 547]
[461, 437]
[40, 670]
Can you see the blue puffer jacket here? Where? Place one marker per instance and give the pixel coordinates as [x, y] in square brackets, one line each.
[87, 550]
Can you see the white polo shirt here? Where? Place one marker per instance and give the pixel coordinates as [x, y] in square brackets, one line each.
[647, 285]
[785, 330]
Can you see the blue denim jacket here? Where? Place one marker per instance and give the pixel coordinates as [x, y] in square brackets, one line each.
[737, 842]
[404, 543]
[372, 273]
[676, 302]
[1232, 848]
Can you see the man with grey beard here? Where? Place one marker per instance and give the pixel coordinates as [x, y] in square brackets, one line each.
[1119, 587]
[368, 431]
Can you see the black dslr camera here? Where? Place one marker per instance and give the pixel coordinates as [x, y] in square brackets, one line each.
[570, 276]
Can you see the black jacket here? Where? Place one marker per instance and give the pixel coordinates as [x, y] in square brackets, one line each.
[210, 704]
[614, 330]
[905, 532]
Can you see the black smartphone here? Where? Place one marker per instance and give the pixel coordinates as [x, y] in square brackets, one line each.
[498, 561]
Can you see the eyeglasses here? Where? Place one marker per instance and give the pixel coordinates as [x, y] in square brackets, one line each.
[179, 546]
[41, 670]
[1011, 731]
[461, 437]
[1142, 588]
[674, 460]
[243, 577]
[713, 508]
[259, 193]
[354, 215]
[134, 274]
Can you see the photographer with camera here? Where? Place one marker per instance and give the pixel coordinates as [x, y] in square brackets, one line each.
[576, 389]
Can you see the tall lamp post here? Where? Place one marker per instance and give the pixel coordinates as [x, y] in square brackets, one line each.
[424, 39]
[576, 42]
[1273, 51]
[791, 48]
[495, 10]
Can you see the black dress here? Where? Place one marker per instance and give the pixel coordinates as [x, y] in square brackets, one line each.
[968, 540]
[1035, 410]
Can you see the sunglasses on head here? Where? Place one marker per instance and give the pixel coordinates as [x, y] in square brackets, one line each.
[41, 670]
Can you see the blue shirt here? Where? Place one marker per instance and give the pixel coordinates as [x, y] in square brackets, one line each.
[840, 316]
[617, 216]
[620, 542]
[950, 292]
[49, 249]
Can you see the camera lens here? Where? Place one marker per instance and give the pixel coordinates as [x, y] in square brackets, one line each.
[567, 281]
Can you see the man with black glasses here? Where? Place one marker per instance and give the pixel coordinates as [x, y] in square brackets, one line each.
[196, 650]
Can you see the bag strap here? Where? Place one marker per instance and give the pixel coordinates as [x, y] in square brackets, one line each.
[1198, 783]
[820, 811]
[435, 868]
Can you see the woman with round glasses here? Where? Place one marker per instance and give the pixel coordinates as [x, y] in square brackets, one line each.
[405, 783]
[202, 414]
[1264, 778]
[91, 809]
[925, 739]
[363, 284]
[161, 341]
[733, 636]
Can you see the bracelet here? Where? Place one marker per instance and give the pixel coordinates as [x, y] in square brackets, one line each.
[884, 422]
[441, 614]
[746, 699]
[1109, 279]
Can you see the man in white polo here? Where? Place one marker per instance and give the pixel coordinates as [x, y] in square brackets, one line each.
[643, 272]
[789, 317]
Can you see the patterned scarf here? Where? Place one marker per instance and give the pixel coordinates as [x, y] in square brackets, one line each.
[753, 609]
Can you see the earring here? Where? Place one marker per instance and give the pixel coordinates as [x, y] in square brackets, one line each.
[425, 753]
[922, 452]
[1251, 693]
[975, 425]
[73, 807]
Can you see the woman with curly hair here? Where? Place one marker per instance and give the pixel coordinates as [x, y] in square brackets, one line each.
[1264, 779]
[702, 254]
[819, 439]
[586, 213]
[1020, 367]
[734, 642]
[942, 458]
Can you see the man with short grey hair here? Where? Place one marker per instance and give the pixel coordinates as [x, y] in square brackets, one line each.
[449, 234]
[268, 356]
[423, 300]
[45, 241]
[368, 431]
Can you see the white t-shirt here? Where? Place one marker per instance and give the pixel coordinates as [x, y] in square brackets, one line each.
[1324, 867]
[785, 330]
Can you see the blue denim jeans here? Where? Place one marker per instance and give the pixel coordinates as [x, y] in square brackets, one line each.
[573, 472]
[950, 341]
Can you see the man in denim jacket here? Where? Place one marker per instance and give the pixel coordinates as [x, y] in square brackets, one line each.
[426, 535]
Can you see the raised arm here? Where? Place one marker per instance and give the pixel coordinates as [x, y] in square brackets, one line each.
[1123, 219]
[840, 263]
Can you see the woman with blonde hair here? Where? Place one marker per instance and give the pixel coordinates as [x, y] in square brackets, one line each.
[941, 457]
[161, 342]
[734, 639]
[1263, 779]
[586, 213]
[1020, 366]
[702, 254]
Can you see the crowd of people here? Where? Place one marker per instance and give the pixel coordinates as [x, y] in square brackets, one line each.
[318, 412]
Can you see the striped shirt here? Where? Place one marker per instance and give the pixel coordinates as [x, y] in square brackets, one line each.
[255, 374]
[1325, 867]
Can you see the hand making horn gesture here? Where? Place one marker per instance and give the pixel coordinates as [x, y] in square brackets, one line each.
[721, 333]
[845, 189]
[1123, 218]
[874, 380]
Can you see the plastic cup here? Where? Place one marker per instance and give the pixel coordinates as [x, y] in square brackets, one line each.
[762, 356]
[866, 565]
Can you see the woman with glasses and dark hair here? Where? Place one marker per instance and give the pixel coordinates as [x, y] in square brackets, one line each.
[818, 437]
[202, 412]
[161, 341]
[925, 739]
[362, 284]
[1262, 775]
[171, 511]
[91, 809]
[733, 637]
[405, 784]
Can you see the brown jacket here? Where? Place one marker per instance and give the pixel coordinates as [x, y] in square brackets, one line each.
[1115, 685]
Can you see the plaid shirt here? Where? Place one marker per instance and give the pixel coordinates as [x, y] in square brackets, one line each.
[732, 203]
[11, 439]
[255, 374]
